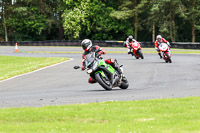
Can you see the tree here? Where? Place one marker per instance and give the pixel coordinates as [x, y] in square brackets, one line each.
[74, 17]
[192, 14]
[5, 8]
[102, 25]
[165, 14]
[130, 10]
[176, 20]
[26, 22]
[53, 10]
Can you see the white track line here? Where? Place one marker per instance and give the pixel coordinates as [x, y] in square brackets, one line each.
[70, 59]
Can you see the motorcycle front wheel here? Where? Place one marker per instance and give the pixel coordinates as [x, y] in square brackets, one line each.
[136, 56]
[168, 57]
[103, 82]
[141, 54]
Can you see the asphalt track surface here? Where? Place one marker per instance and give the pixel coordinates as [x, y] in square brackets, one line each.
[150, 78]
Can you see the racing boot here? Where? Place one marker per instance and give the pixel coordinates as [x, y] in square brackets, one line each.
[132, 54]
[118, 70]
[91, 80]
[129, 50]
[160, 55]
[117, 67]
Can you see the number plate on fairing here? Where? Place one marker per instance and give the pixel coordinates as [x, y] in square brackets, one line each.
[163, 47]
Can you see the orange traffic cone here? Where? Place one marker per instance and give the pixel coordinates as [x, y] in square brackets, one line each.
[16, 48]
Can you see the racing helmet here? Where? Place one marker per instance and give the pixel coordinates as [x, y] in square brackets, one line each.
[86, 44]
[159, 38]
[130, 38]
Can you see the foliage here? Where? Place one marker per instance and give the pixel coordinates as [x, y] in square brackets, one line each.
[74, 17]
[176, 20]
[103, 26]
[29, 27]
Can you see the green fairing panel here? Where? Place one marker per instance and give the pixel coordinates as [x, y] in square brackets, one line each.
[101, 72]
[109, 67]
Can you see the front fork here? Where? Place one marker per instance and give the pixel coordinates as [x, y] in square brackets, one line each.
[136, 52]
[169, 53]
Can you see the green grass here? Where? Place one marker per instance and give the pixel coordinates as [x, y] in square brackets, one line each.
[78, 52]
[11, 66]
[181, 115]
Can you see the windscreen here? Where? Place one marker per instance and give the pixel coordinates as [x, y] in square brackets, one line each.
[89, 58]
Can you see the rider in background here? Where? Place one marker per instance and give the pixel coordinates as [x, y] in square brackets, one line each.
[158, 41]
[88, 48]
[129, 42]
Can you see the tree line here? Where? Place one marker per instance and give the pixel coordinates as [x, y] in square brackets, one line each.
[38, 20]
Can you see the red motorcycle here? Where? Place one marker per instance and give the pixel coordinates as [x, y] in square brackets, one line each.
[136, 50]
[165, 49]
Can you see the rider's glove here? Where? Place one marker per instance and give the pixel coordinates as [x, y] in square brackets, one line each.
[99, 54]
[168, 44]
[82, 68]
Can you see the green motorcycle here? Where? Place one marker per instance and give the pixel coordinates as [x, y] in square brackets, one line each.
[104, 73]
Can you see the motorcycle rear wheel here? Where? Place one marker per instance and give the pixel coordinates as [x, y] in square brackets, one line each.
[141, 54]
[103, 82]
[124, 84]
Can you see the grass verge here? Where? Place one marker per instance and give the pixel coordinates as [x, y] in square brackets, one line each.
[79, 52]
[162, 115]
[11, 66]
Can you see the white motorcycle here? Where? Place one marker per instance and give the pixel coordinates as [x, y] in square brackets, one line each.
[165, 49]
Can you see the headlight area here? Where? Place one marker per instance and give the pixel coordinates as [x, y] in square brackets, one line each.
[95, 66]
[89, 71]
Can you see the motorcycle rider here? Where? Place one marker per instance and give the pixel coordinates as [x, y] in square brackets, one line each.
[88, 48]
[158, 41]
[129, 42]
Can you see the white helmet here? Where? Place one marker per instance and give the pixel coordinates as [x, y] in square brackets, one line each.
[159, 38]
[86, 44]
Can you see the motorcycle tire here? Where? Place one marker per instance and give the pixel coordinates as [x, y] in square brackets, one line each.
[132, 54]
[124, 84]
[100, 79]
[169, 59]
[141, 54]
